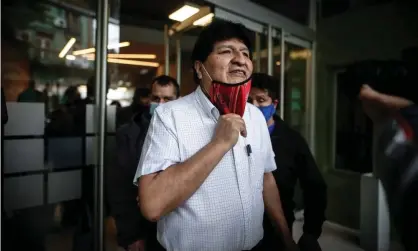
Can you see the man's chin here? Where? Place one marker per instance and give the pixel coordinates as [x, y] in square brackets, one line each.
[237, 80]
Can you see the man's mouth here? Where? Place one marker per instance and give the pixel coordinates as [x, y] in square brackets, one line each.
[240, 73]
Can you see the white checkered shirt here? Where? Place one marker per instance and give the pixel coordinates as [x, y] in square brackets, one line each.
[226, 212]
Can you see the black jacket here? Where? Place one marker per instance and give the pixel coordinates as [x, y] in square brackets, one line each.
[131, 225]
[295, 162]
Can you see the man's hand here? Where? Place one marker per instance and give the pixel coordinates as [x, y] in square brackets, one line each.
[138, 245]
[228, 129]
[308, 243]
[379, 106]
[273, 205]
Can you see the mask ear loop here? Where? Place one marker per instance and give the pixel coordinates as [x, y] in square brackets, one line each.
[203, 88]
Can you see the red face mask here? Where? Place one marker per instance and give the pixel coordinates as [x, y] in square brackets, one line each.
[230, 98]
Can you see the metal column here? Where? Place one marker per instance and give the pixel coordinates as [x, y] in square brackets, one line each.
[282, 72]
[166, 51]
[270, 50]
[100, 119]
[178, 65]
[258, 52]
[312, 122]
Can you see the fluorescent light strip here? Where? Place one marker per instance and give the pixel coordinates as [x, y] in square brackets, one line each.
[84, 51]
[132, 62]
[70, 57]
[133, 56]
[67, 47]
[183, 13]
[119, 45]
[127, 62]
[204, 20]
[92, 50]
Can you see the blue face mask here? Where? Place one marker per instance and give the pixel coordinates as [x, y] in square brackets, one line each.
[268, 111]
[152, 107]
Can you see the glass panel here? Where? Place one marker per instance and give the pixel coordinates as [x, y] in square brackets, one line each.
[260, 58]
[277, 62]
[353, 145]
[296, 92]
[47, 83]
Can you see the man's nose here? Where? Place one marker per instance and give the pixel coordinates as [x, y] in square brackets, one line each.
[239, 58]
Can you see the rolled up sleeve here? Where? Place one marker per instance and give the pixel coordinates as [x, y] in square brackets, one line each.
[270, 163]
[160, 149]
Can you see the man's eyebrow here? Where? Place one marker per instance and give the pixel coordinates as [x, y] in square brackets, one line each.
[261, 95]
[232, 47]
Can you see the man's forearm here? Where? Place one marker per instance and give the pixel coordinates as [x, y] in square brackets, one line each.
[161, 193]
[274, 208]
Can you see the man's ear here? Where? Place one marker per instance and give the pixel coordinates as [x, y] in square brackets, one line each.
[198, 69]
[275, 103]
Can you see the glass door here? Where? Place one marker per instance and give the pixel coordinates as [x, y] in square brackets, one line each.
[296, 84]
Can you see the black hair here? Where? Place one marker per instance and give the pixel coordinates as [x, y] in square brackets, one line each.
[141, 93]
[217, 31]
[266, 82]
[165, 80]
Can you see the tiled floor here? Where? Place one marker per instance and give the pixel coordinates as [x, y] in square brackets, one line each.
[337, 238]
[331, 239]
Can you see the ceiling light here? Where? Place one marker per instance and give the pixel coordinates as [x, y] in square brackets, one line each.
[92, 50]
[132, 56]
[119, 45]
[183, 13]
[127, 62]
[204, 20]
[70, 57]
[133, 62]
[67, 47]
[278, 63]
[84, 51]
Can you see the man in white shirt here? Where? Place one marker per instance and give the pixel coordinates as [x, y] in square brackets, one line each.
[205, 168]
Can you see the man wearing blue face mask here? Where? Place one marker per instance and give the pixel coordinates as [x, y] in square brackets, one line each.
[294, 162]
[134, 231]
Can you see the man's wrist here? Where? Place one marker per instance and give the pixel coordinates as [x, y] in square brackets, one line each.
[220, 145]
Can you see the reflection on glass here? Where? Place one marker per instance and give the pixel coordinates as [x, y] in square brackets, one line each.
[260, 52]
[48, 184]
[296, 110]
[277, 59]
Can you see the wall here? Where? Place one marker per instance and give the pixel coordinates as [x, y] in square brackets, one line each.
[377, 32]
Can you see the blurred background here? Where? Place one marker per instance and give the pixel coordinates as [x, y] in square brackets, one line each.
[48, 79]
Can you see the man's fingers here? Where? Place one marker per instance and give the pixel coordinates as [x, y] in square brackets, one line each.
[243, 131]
[242, 128]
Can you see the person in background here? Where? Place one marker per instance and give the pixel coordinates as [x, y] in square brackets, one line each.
[294, 162]
[395, 121]
[30, 94]
[140, 104]
[205, 169]
[134, 231]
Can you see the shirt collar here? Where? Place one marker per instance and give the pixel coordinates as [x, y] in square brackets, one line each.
[207, 106]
